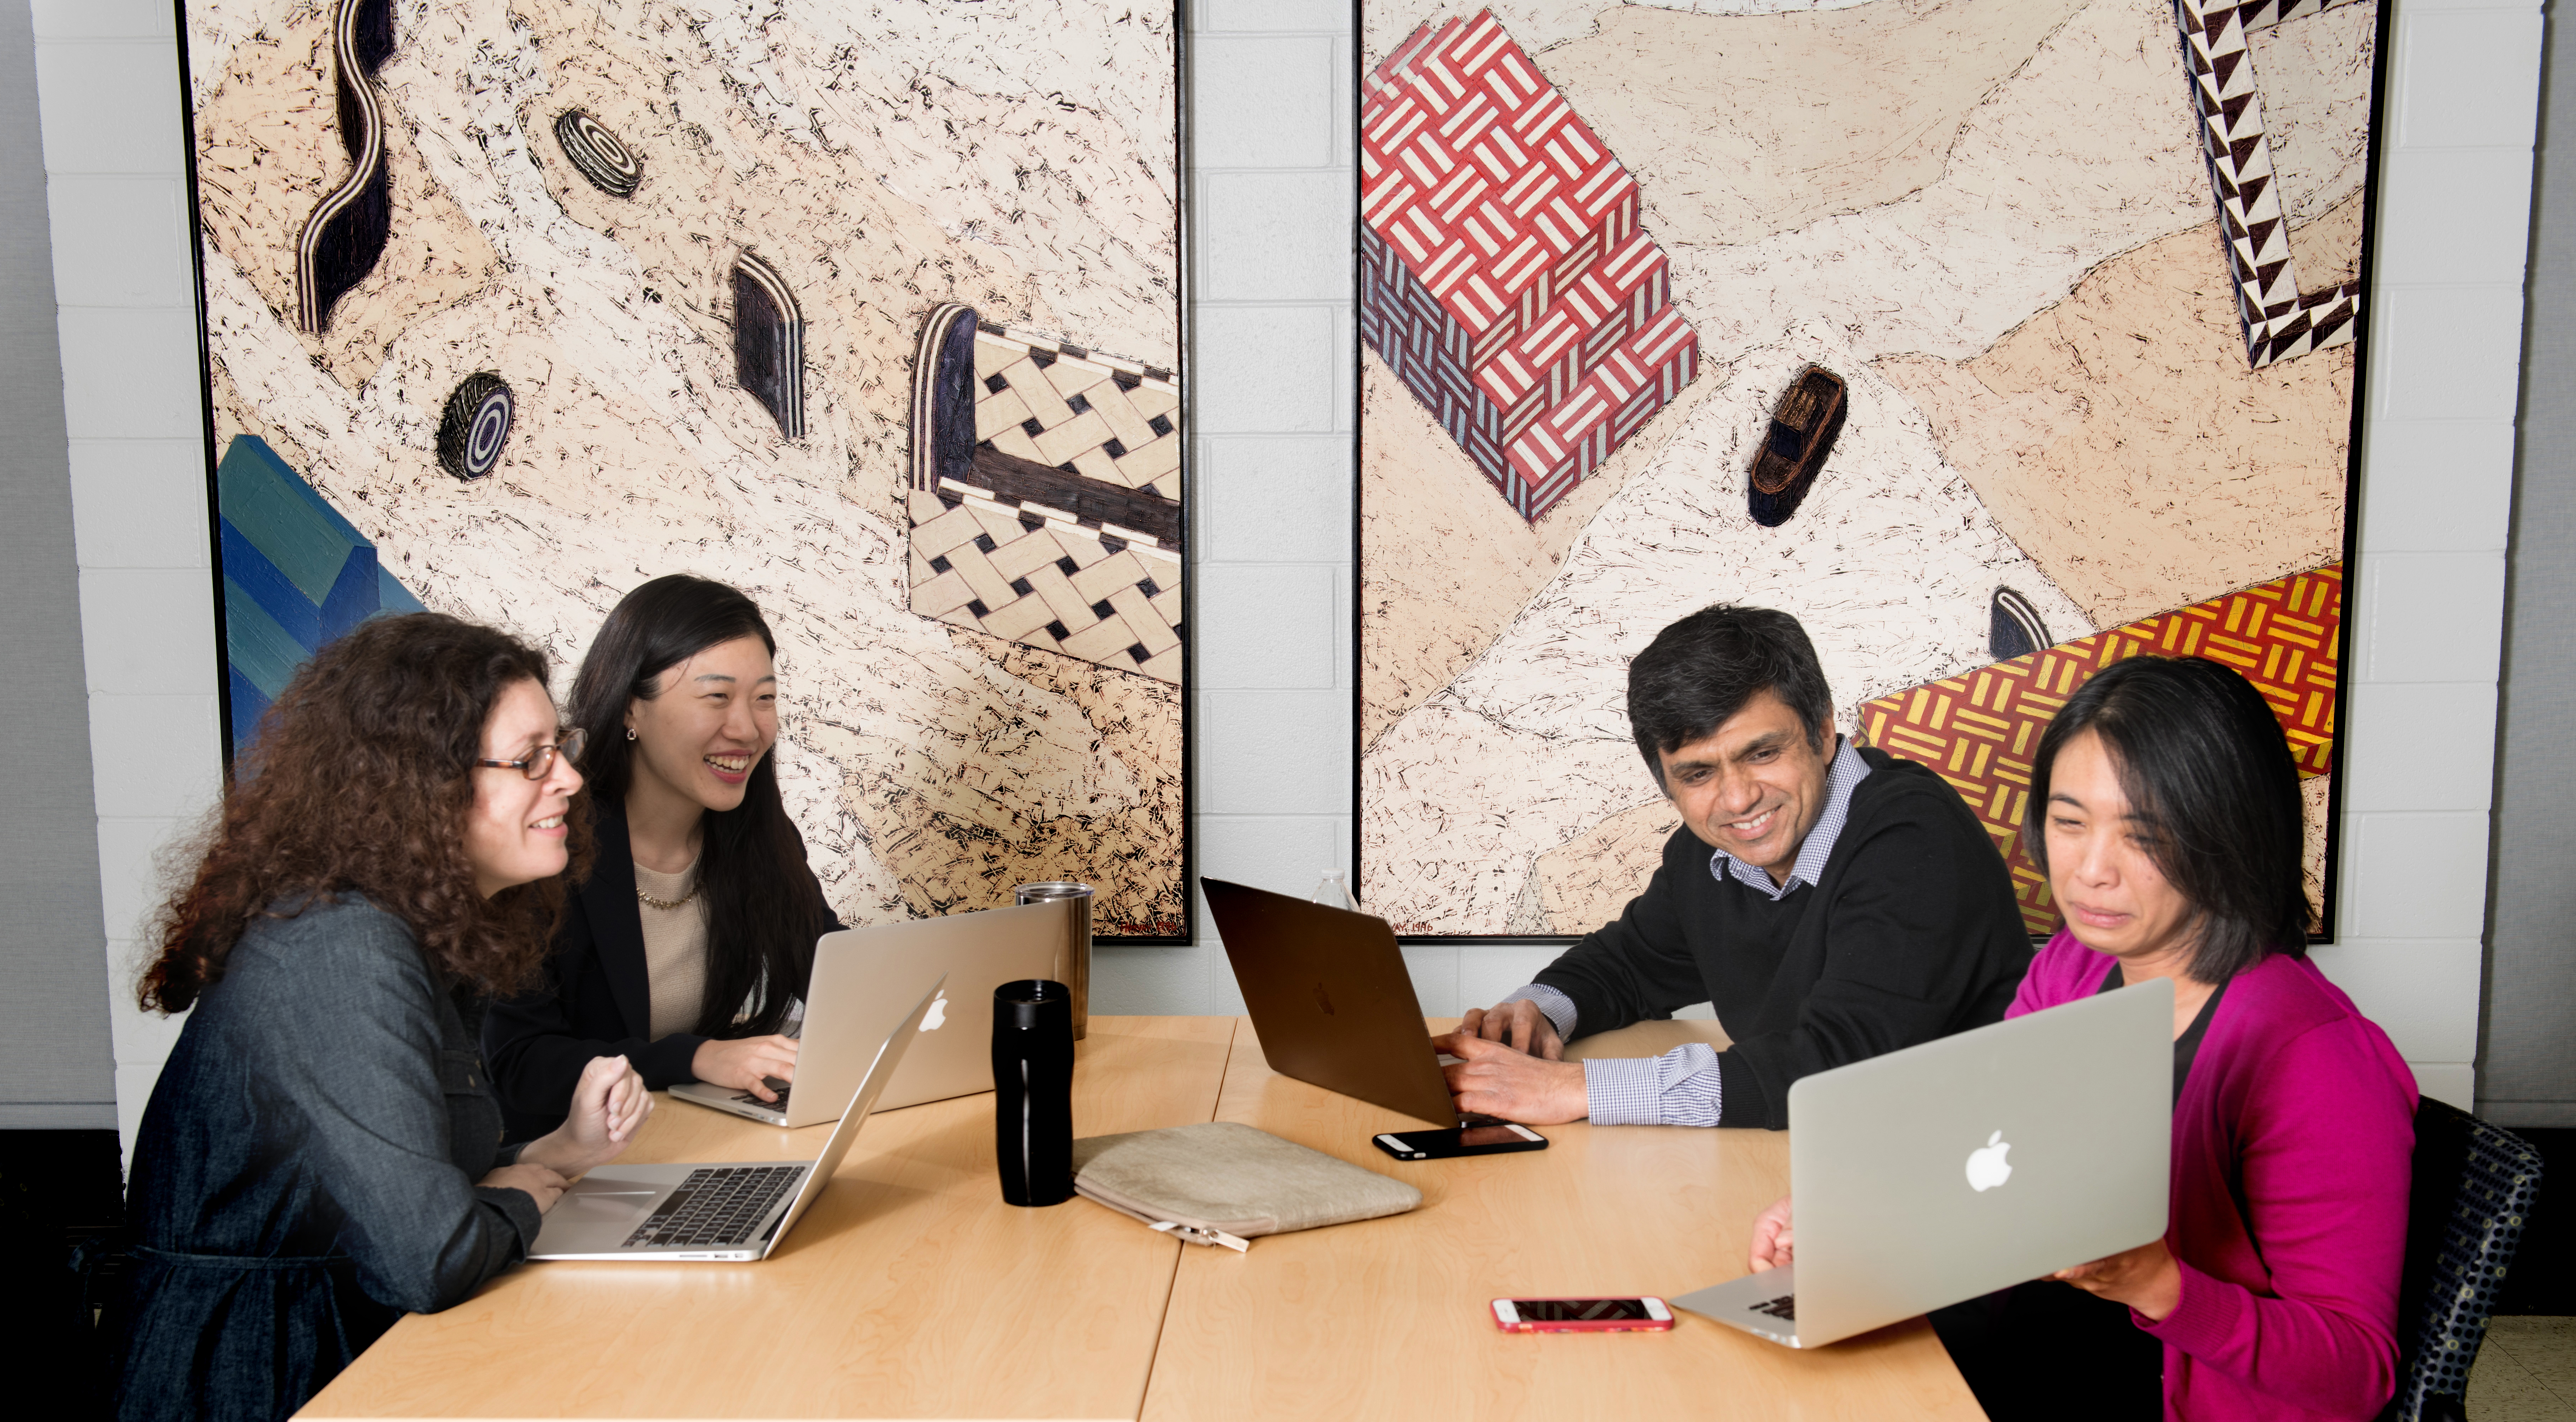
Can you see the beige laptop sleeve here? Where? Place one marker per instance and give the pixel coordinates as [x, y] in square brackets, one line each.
[1220, 1182]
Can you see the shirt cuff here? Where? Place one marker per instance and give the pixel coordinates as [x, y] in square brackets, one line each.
[1680, 1088]
[1555, 1006]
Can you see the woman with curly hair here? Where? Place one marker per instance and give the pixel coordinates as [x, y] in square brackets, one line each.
[322, 1153]
[687, 947]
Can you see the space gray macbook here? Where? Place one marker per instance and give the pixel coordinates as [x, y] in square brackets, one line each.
[1942, 1172]
[858, 971]
[728, 1211]
[1330, 998]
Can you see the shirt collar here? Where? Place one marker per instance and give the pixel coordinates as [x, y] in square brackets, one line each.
[1843, 772]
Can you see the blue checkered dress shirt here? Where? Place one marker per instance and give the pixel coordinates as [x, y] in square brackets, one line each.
[1681, 1087]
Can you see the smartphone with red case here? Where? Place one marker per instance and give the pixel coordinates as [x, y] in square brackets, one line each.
[1582, 1315]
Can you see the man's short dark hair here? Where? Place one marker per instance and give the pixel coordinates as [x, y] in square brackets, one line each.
[1700, 671]
[2209, 776]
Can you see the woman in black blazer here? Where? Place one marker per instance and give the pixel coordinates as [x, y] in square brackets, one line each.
[687, 949]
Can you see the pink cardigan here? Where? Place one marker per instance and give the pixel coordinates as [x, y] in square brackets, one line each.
[2292, 1149]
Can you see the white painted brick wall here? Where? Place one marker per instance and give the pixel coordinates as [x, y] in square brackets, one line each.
[2425, 625]
[1272, 353]
[1271, 187]
[108, 99]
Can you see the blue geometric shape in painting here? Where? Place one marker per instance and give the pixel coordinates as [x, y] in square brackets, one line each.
[296, 576]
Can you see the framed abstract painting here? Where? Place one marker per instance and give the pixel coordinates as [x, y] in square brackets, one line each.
[1996, 340]
[871, 311]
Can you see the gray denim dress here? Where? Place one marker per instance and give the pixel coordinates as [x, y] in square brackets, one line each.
[305, 1171]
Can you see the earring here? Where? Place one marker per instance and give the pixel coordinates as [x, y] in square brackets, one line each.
[630, 733]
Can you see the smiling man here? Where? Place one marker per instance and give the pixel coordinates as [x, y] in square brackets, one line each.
[1832, 903]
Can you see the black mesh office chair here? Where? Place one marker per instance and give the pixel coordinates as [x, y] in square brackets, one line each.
[2473, 1188]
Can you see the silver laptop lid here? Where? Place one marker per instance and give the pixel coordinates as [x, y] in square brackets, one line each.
[847, 1018]
[978, 951]
[881, 1070]
[1952, 1169]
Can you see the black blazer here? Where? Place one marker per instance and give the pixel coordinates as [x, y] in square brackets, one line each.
[596, 1001]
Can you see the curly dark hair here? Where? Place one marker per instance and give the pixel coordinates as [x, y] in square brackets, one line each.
[358, 784]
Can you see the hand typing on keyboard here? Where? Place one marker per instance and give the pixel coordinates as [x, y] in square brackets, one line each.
[776, 1086]
[753, 1064]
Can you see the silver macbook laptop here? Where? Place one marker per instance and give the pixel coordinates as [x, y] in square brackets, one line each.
[1329, 995]
[859, 970]
[729, 1211]
[1933, 1175]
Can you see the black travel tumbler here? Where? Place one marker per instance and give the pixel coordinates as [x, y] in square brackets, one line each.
[1033, 1091]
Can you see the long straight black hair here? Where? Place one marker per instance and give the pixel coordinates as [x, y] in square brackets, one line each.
[2215, 792]
[764, 908]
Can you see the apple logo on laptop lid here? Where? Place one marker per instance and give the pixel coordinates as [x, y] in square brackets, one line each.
[937, 1016]
[1986, 1165]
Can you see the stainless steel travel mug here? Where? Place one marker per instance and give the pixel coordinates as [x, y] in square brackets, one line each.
[1033, 1091]
[1073, 959]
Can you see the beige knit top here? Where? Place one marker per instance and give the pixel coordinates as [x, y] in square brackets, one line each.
[675, 949]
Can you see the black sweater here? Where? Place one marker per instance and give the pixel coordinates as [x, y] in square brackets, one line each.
[1910, 933]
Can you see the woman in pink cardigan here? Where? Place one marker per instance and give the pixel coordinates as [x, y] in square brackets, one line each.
[2165, 809]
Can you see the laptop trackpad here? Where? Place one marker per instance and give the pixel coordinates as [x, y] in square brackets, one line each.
[611, 1204]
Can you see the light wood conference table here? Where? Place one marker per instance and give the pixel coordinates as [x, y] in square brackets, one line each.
[910, 1290]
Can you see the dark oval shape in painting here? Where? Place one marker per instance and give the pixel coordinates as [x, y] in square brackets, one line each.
[600, 155]
[477, 423]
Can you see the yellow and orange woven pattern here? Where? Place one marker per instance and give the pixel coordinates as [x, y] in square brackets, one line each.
[1979, 730]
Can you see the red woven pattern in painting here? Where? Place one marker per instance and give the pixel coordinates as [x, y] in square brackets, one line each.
[1477, 170]
[1504, 279]
[1980, 730]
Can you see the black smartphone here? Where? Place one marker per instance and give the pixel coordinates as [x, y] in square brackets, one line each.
[1499, 1139]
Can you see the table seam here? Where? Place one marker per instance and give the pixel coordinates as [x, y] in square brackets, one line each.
[1234, 1029]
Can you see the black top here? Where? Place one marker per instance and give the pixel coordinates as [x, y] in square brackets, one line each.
[597, 999]
[1909, 934]
[2187, 1045]
[305, 1171]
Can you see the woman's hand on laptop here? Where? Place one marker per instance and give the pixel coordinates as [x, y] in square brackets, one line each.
[1772, 1245]
[1494, 1080]
[608, 1103]
[535, 1181]
[742, 1063]
[1518, 1024]
[2145, 1278]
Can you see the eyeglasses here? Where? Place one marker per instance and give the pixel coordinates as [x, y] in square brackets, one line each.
[541, 761]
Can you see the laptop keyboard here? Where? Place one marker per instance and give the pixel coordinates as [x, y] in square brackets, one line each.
[717, 1205]
[1785, 1306]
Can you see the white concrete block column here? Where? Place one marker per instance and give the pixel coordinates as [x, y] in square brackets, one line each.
[2424, 620]
[109, 104]
[1272, 186]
